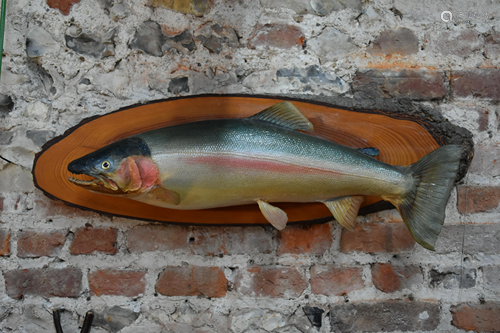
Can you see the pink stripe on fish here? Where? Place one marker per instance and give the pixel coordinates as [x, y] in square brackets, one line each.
[256, 164]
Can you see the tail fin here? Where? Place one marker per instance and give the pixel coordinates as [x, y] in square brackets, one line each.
[423, 207]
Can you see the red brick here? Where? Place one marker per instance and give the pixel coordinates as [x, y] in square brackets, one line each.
[278, 35]
[192, 281]
[332, 281]
[477, 317]
[385, 316]
[117, 282]
[313, 239]
[486, 161]
[462, 43]
[90, 240]
[413, 84]
[44, 282]
[63, 5]
[50, 208]
[478, 82]
[157, 238]
[476, 199]
[389, 278]
[376, 238]
[211, 241]
[248, 240]
[273, 281]
[395, 41]
[208, 241]
[4, 242]
[38, 244]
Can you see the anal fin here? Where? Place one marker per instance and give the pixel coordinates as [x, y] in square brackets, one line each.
[276, 216]
[165, 195]
[345, 210]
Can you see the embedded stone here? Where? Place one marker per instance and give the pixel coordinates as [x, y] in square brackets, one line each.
[14, 178]
[6, 105]
[314, 314]
[214, 37]
[40, 42]
[90, 44]
[331, 45]
[148, 38]
[39, 138]
[183, 42]
[114, 318]
[119, 11]
[6, 138]
[195, 7]
[311, 78]
[178, 85]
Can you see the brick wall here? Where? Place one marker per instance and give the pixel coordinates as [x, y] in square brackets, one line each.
[68, 60]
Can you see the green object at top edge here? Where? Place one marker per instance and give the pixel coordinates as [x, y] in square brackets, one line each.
[2, 31]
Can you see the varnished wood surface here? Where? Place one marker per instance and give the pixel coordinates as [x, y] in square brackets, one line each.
[400, 142]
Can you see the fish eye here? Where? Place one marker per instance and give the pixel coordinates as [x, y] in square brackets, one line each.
[105, 165]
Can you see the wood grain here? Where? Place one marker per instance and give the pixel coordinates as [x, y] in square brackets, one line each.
[400, 142]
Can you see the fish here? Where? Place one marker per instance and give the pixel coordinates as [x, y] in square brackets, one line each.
[265, 158]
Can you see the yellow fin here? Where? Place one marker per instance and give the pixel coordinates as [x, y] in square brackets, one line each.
[274, 215]
[284, 114]
[165, 195]
[345, 210]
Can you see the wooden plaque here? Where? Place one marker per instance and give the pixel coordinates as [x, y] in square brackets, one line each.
[401, 140]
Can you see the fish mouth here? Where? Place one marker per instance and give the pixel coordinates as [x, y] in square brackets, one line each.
[99, 183]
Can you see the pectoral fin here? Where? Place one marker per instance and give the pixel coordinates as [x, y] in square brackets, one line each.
[274, 215]
[345, 210]
[165, 195]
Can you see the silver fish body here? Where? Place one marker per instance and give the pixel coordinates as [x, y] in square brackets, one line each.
[264, 159]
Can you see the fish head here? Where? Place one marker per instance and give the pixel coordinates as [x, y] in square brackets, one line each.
[123, 167]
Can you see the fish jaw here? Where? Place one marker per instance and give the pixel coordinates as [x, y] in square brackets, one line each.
[99, 185]
[135, 175]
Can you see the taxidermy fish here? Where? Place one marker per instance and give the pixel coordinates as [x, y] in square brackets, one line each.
[264, 159]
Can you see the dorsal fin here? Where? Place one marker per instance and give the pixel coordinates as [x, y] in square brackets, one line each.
[284, 114]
